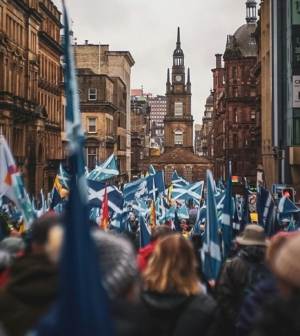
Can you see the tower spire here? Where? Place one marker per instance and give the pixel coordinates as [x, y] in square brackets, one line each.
[168, 76]
[178, 38]
[188, 77]
[251, 11]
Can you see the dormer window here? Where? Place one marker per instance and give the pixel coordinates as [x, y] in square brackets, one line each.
[92, 94]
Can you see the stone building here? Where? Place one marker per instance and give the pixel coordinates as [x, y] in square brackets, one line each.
[30, 93]
[207, 127]
[197, 145]
[236, 136]
[101, 60]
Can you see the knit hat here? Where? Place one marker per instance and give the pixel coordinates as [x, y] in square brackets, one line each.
[117, 262]
[252, 235]
[286, 266]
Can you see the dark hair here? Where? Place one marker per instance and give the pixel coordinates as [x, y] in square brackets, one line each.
[160, 232]
[41, 227]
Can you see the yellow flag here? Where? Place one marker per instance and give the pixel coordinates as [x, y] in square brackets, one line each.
[153, 215]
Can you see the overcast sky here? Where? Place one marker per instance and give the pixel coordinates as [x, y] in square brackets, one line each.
[148, 29]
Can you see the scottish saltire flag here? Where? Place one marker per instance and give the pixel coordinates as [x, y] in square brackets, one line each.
[63, 177]
[106, 170]
[264, 207]
[82, 307]
[161, 206]
[220, 186]
[227, 216]
[211, 246]
[96, 192]
[184, 193]
[178, 181]
[286, 206]
[236, 225]
[140, 208]
[151, 170]
[145, 233]
[291, 226]
[201, 218]
[147, 188]
[182, 212]
[94, 215]
[169, 215]
[11, 184]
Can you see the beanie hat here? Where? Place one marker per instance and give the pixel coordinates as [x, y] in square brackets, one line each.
[117, 262]
[287, 266]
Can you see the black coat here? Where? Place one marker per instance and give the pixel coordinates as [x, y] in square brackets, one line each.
[179, 315]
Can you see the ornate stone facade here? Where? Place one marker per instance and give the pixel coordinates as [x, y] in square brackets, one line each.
[30, 94]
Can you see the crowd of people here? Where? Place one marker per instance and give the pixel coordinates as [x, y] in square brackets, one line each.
[160, 289]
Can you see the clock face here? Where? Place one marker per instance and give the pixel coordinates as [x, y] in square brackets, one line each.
[178, 78]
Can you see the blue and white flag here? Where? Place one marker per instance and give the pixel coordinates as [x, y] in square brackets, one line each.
[161, 206]
[63, 177]
[140, 208]
[178, 181]
[96, 192]
[227, 216]
[211, 246]
[169, 215]
[286, 206]
[145, 233]
[106, 170]
[182, 212]
[187, 192]
[151, 170]
[236, 225]
[82, 306]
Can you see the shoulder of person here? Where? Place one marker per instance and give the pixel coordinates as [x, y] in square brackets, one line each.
[203, 302]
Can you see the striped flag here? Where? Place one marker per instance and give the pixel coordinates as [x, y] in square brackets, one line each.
[182, 212]
[211, 246]
[184, 193]
[106, 170]
[104, 212]
[151, 171]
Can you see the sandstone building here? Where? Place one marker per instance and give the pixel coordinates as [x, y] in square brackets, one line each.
[31, 111]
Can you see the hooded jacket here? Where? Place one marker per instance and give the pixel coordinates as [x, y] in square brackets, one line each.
[30, 290]
[178, 315]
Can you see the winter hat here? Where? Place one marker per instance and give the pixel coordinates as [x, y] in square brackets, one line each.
[117, 262]
[253, 235]
[13, 246]
[287, 266]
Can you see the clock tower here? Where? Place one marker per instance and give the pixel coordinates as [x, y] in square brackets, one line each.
[178, 121]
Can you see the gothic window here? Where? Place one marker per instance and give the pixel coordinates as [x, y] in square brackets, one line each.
[235, 141]
[168, 174]
[92, 94]
[187, 174]
[178, 110]
[91, 157]
[178, 137]
[253, 114]
[235, 115]
[92, 125]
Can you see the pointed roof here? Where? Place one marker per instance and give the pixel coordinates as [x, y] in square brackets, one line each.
[179, 155]
[178, 51]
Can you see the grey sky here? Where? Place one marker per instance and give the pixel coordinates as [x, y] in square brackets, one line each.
[148, 30]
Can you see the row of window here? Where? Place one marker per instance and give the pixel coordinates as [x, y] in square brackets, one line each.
[252, 91]
[14, 30]
[236, 115]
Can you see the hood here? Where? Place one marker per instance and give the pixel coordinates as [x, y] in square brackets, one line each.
[164, 301]
[33, 279]
[253, 253]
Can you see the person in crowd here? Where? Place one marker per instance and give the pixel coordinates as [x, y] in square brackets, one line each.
[234, 278]
[284, 224]
[183, 224]
[264, 291]
[145, 253]
[31, 286]
[281, 316]
[171, 290]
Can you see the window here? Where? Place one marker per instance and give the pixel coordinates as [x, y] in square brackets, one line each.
[296, 135]
[253, 114]
[178, 109]
[178, 137]
[168, 174]
[187, 174]
[235, 141]
[252, 141]
[91, 157]
[234, 72]
[252, 91]
[235, 115]
[235, 91]
[92, 94]
[92, 125]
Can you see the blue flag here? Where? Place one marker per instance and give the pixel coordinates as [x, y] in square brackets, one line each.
[177, 223]
[182, 212]
[151, 170]
[63, 177]
[246, 211]
[145, 233]
[211, 247]
[184, 193]
[106, 170]
[178, 181]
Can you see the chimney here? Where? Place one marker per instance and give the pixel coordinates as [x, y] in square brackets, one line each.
[86, 42]
[218, 61]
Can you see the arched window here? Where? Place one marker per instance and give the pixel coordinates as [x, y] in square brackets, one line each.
[188, 174]
[178, 137]
[178, 109]
[168, 174]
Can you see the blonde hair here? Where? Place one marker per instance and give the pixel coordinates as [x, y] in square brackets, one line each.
[172, 267]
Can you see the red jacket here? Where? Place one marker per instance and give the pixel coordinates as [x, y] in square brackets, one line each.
[144, 254]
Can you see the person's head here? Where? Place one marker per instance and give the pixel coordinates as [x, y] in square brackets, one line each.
[286, 267]
[183, 223]
[45, 230]
[159, 232]
[12, 246]
[172, 267]
[253, 235]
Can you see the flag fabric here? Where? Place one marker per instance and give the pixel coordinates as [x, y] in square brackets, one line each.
[286, 206]
[145, 233]
[291, 226]
[63, 177]
[140, 208]
[96, 192]
[82, 306]
[177, 223]
[42, 201]
[227, 216]
[211, 246]
[151, 170]
[220, 186]
[11, 184]
[106, 170]
[246, 211]
[56, 199]
[169, 215]
[104, 211]
[182, 212]
[184, 193]
[152, 215]
[178, 181]
[96, 163]
[236, 223]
